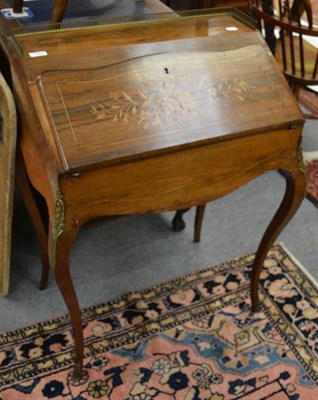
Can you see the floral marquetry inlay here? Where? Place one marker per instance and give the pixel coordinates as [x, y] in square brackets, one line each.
[161, 99]
[229, 88]
[166, 100]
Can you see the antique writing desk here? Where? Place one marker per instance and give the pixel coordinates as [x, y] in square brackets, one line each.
[151, 115]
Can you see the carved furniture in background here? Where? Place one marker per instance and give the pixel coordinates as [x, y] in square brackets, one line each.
[152, 117]
[297, 57]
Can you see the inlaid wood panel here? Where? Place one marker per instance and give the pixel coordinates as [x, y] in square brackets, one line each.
[153, 102]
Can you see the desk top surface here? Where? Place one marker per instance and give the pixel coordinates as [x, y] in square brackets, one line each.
[148, 88]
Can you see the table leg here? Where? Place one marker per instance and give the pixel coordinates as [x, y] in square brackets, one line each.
[61, 237]
[31, 205]
[294, 194]
[17, 6]
[199, 214]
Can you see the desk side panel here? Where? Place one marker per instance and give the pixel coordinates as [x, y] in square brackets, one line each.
[42, 170]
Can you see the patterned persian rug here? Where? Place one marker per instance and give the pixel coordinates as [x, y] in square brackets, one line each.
[311, 164]
[193, 338]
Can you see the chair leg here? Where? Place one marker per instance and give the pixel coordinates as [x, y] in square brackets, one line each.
[199, 214]
[58, 11]
[32, 207]
[178, 223]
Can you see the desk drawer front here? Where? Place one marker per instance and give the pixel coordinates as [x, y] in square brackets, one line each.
[178, 180]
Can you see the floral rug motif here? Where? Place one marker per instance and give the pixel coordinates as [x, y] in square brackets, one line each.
[312, 183]
[193, 338]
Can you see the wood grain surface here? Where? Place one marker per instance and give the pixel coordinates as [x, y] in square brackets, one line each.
[161, 101]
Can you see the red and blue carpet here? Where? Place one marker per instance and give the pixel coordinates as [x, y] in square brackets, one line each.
[193, 338]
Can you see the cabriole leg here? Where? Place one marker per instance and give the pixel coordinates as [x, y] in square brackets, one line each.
[61, 239]
[294, 194]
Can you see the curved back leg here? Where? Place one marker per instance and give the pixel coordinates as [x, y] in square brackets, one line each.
[29, 201]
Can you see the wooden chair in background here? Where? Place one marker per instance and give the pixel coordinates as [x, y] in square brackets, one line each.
[290, 34]
[297, 57]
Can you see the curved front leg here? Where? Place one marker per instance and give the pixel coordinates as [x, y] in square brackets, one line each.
[65, 284]
[61, 237]
[294, 194]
